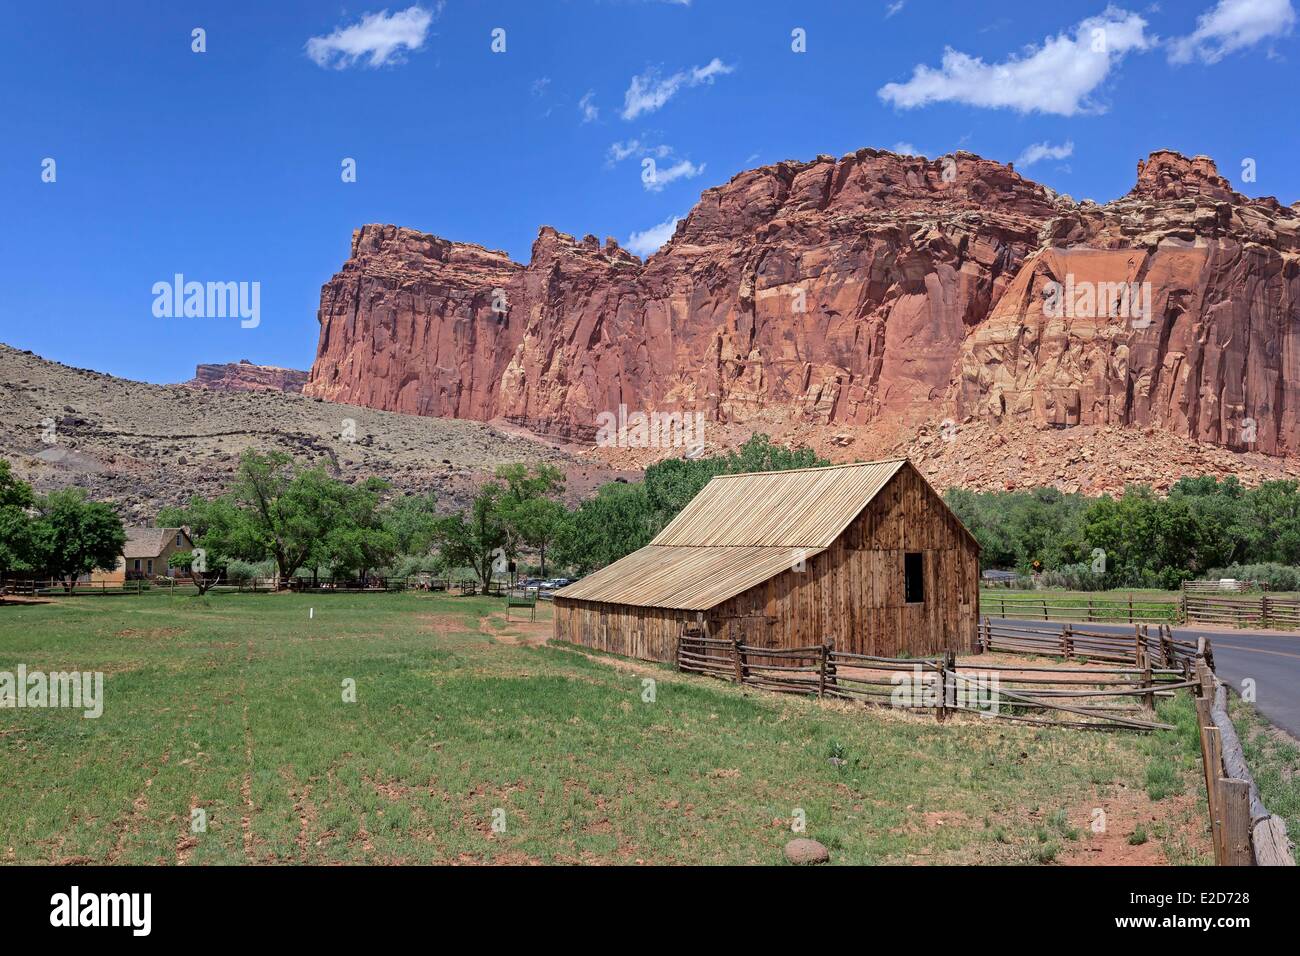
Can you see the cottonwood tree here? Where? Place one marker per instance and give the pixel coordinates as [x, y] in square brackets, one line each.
[72, 536]
[537, 523]
[529, 507]
[16, 503]
[288, 511]
[412, 520]
[218, 529]
[357, 539]
[476, 537]
[612, 524]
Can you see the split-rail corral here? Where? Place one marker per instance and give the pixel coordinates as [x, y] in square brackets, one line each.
[1108, 682]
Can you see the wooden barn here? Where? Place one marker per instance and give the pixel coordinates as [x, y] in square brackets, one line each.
[866, 556]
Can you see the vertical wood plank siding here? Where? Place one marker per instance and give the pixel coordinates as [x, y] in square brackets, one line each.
[851, 594]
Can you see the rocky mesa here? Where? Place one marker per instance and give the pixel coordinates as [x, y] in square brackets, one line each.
[874, 294]
[245, 376]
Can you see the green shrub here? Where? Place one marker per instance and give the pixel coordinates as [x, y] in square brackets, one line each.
[1278, 577]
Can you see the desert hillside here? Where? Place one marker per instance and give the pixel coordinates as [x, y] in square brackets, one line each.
[144, 446]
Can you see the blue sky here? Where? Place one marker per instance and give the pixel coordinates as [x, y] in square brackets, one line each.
[225, 165]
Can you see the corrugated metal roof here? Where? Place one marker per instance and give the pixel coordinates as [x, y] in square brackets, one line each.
[694, 579]
[738, 531]
[803, 508]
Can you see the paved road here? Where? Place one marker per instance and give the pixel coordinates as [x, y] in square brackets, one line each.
[1271, 659]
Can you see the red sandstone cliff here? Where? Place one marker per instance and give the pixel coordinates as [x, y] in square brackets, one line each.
[873, 290]
[244, 376]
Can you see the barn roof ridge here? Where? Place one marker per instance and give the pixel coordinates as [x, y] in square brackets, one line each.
[795, 471]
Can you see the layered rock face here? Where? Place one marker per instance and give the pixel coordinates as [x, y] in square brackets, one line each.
[244, 376]
[874, 289]
[1193, 324]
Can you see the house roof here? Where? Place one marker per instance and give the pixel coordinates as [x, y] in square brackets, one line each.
[147, 542]
[739, 531]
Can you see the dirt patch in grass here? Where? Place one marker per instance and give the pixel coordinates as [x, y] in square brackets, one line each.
[1128, 828]
[516, 630]
[151, 633]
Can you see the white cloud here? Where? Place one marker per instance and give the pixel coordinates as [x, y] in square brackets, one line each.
[1040, 151]
[893, 8]
[646, 243]
[666, 176]
[378, 36]
[668, 168]
[588, 108]
[906, 149]
[539, 85]
[1056, 77]
[649, 91]
[621, 150]
[1232, 25]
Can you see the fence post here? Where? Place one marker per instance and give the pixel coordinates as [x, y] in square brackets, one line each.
[1149, 698]
[1235, 804]
[1263, 611]
[739, 657]
[1211, 757]
[1067, 642]
[950, 666]
[821, 671]
[1130, 607]
[1045, 609]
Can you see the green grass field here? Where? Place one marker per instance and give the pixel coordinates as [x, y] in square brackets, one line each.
[233, 705]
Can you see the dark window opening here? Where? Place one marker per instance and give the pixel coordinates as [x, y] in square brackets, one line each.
[914, 578]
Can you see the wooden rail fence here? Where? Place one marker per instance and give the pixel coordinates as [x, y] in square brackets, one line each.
[1262, 611]
[1080, 697]
[1095, 611]
[1243, 831]
[1122, 697]
[1221, 586]
[1072, 643]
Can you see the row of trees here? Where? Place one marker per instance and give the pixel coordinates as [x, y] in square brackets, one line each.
[1139, 539]
[61, 535]
[301, 520]
[304, 522]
